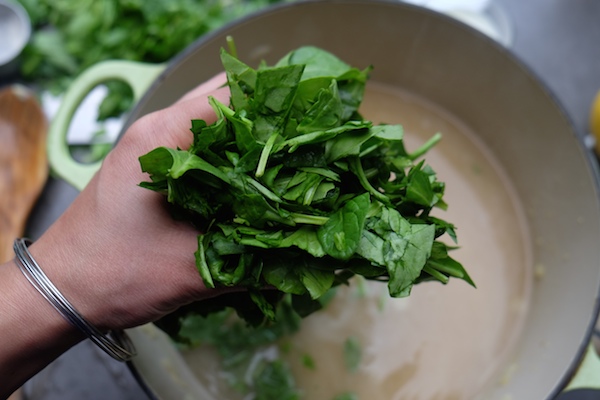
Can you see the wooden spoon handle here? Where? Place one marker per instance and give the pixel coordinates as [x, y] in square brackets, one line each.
[23, 162]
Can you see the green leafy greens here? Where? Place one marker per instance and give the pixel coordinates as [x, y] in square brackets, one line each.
[237, 344]
[70, 36]
[352, 353]
[293, 189]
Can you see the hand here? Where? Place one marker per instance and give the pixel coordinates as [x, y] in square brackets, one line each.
[116, 254]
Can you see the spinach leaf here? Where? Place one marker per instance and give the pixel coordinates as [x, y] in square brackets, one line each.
[164, 162]
[340, 235]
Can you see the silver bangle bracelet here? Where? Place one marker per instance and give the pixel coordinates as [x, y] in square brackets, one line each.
[115, 343]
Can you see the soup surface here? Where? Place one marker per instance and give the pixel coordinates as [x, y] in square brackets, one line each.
[444, 341]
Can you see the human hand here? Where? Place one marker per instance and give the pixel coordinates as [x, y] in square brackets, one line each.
[116, 253]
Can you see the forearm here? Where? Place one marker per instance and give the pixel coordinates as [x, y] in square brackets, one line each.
[33, 333]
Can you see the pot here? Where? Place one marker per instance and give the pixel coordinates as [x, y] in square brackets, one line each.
[469, 76]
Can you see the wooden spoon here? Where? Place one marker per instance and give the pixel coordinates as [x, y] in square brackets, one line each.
[23, 165]
[23, 162]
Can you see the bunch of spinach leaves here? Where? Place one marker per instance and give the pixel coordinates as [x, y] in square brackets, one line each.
[293, 189]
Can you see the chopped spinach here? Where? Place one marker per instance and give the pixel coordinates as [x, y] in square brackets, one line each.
[237, 344]
[274, 381]
[292, 188]
[309, 362]
[352, 353]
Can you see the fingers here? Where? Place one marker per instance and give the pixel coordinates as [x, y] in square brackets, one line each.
[176, 120]
[170, 127]
[211, 85]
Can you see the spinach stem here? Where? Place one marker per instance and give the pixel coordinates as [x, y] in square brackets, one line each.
[436, 274]
[455, 272]
[264, 155]
[231, 46]
[425, 148]
[357, 168]
[308, 219]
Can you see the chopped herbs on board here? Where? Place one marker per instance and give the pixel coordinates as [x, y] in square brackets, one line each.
[293, 190]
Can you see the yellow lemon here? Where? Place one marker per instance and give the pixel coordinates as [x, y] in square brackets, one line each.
[595, 121]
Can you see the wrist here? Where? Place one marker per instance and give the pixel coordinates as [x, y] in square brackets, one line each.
[72, 279]
[115, 343]
[30, 310]
[35, 333]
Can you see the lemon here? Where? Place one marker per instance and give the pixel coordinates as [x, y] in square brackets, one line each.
[595, 121]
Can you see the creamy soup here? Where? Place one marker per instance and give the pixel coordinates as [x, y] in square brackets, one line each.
[444, 341]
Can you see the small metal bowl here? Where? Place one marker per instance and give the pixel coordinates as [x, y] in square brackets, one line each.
[15, 31]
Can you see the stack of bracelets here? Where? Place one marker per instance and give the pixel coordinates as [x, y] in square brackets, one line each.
[115, 343]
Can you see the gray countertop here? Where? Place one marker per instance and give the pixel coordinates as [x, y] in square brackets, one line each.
[559, 40]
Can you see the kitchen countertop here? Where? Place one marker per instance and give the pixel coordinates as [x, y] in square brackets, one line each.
[559, 40]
